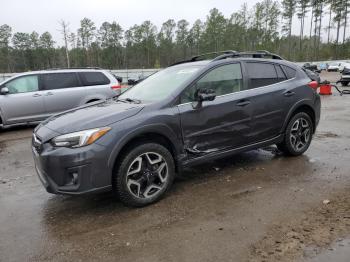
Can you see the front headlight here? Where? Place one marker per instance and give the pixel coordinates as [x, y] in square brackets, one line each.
[79, 139]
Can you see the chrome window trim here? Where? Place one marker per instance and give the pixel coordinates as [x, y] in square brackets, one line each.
[241, 91]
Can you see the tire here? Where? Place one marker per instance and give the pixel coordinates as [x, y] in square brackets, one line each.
[297, 138]
[344, 83]
[145, 174]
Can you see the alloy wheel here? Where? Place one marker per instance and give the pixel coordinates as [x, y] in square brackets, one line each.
[147, 175]
[300, 134]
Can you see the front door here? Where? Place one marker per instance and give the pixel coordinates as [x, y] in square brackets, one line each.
[24, 102]
[220, 124]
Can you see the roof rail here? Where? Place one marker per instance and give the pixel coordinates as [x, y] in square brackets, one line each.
[233, 54]
[196, 58]
[260, 54]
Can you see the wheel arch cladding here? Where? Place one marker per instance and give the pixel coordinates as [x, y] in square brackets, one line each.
[149, 136]
[302, 108]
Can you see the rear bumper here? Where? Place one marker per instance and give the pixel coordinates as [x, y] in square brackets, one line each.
[73, 171]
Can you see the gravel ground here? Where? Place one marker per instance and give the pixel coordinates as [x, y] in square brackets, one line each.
[255, 206]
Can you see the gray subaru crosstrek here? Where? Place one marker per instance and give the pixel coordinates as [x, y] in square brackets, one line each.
[187, 114]
[34, 96]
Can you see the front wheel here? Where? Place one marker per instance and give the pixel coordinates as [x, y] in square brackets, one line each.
[298, 135]
[344, 83]
[145, 174]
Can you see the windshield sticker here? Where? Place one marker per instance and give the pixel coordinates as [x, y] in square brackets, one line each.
[187, 71]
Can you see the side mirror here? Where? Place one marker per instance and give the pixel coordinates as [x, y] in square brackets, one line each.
[205, 95]
[4, 91]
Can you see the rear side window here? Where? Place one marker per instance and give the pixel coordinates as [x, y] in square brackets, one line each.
[261, 74]
[281, 76]
[59, 80]
[290, 72]
[93, 78]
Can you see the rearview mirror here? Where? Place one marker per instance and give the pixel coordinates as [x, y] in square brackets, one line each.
[205, 95]
[4, 91]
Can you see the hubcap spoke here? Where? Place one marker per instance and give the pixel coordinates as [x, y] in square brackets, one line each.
[151, 190]
[295, 126]
[132, 184]
[153, 161]
[132, 169]
[159, 172]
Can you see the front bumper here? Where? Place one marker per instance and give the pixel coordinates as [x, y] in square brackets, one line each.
[72, 171]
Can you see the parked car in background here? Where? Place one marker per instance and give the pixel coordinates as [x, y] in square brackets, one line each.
[311, 67]
[323, 66]
[337, 66]
[193, 112]
[31, 97]
[345, 77]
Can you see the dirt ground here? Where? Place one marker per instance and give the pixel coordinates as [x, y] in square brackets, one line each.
[256, 206]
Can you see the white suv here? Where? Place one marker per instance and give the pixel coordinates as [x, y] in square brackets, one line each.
[31, 97]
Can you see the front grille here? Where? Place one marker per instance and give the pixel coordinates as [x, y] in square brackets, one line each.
[37, 144]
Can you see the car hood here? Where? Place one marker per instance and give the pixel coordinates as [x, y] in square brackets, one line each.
[91, 116]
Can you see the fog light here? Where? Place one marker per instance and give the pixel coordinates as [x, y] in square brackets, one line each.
[72, 179]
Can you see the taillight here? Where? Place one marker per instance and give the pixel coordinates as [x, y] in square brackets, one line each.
[115, 87]
[313, 84]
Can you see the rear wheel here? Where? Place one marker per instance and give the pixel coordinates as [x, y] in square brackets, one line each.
[344, 83]
[298, 135]
[145, 174]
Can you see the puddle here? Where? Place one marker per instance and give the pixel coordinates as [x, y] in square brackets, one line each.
[2, 146]
[338, 252]
[326, 135]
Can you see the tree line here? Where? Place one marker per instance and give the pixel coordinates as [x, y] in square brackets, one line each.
[265, 26]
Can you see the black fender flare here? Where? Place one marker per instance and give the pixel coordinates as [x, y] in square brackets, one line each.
[305, 102]
[160, 129]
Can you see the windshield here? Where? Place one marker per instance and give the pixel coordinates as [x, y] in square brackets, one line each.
[160, 85]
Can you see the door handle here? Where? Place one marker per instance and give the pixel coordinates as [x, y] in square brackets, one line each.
[49, 94]
[288, 93]
[243, 103]
[36, 95]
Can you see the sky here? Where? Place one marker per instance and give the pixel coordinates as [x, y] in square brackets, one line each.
[44, 15]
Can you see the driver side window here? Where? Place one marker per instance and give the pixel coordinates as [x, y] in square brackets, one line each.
[23, 84]
[223, 80]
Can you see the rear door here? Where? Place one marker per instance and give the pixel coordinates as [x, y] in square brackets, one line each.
[270, 97]
[63, 91]
[24, 102]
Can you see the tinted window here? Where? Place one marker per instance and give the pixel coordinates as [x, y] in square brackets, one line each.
[223, 80]
[59, 80]
[281, 76]
[23, 84]
[290, 72]
[261, 74]
[93, 78]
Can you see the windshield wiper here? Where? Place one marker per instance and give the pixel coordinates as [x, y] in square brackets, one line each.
[130, 100]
